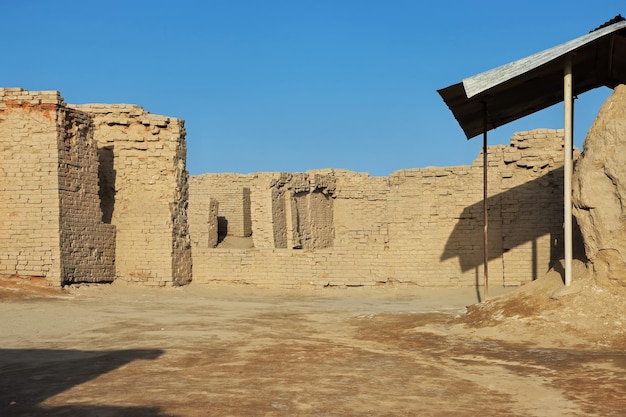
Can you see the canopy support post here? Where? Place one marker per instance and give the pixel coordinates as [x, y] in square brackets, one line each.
[485, 208]
[567, 166]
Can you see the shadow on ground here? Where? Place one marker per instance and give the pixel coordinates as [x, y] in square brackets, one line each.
[28, 377]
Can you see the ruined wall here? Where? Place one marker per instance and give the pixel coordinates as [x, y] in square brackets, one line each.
[437, 222]
[29, 192]
[203, 222]
[308, 211]
[87, 244]
[325, 227]
[278, 210]
[232, 191]
[244, 206]
[50, 219]
[142, 158]
[421, 226]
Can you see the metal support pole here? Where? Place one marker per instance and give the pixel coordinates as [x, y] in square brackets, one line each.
[567, 166]
[485, 208]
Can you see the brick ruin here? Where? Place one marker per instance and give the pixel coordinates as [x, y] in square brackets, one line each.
[91, 193]
[94, 193]
[419, 226]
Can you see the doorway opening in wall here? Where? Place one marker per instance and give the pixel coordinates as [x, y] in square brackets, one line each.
[226, 241]
[222, 229]
[106, 179]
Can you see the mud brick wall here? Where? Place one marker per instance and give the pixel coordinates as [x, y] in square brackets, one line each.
[436, 215]
[419, 226]
[203, 223]
[265, 206]
[142, 157]
[242, 204]
[530, 197]
[29, 192]
[308, 211]
[50, 219]
[87, 244]
[232, 191]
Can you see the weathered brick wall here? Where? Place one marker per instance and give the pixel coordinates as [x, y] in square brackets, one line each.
[232, 191]
[309, 210]
[444, 205]
[148, 204]
[531, 207]
[203, 222]
[29, 191]
[421, 226]
[267, 210]
[87, 244]
[265, 206]
[50, 220]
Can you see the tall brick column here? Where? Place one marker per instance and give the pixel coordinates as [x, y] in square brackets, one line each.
[145, 193]
[50, 219]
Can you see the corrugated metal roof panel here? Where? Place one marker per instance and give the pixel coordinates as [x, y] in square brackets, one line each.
[531, 84]
[479, 83]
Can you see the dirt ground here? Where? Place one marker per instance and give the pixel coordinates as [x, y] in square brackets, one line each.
[210, 350]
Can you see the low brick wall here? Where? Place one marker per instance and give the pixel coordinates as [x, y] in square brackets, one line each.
[419, 226]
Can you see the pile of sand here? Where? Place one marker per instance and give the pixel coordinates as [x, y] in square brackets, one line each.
[589, 312]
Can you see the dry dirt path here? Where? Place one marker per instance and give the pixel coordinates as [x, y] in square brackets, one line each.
[238, 351]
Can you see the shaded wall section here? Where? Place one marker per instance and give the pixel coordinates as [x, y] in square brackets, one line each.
[87, 244]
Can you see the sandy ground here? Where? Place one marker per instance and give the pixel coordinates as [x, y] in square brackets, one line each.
[204, 350]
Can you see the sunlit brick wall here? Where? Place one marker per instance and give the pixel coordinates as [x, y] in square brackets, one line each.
[149, 203]
[418, 226]
[50, 219]
[29, 184]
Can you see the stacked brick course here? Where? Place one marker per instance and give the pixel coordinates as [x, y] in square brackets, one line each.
[87, 244]
[149, 204]
[420, 226]
[49, 206]
[232, 191]
[71, 173]
[94, 192]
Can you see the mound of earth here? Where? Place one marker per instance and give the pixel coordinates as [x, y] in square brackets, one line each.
[590, 312]
[22, 288]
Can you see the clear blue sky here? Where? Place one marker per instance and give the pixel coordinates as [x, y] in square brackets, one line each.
[292, 85]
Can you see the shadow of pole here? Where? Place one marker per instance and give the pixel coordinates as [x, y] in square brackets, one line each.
[526, 212]
[477, 286]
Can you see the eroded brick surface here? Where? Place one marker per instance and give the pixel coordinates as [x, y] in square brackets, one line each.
[74, 175]
[421, 226]
[95, 192]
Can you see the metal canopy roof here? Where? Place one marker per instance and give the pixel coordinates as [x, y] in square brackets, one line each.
[528, 85]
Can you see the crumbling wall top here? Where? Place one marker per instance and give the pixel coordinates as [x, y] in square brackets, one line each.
[101, 108]
[18, 96]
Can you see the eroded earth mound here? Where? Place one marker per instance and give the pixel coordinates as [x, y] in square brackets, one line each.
[599, 191]
[588, 313]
